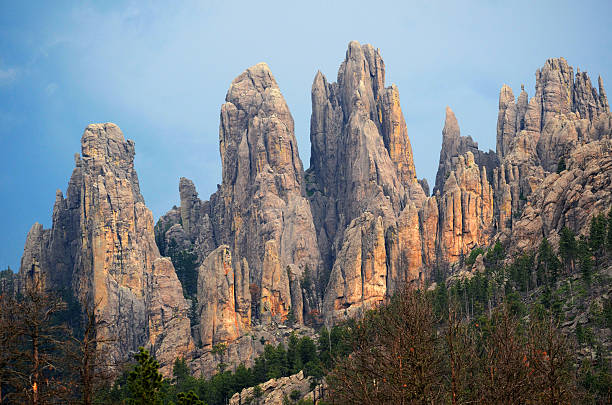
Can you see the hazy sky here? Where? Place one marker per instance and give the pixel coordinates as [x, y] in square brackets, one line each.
[160, 70]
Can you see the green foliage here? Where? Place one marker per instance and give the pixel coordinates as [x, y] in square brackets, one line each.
[290, 317]
[219, 348]
[440, 303]
[547, 264]
[597, 233]
[515, 305]
[186, 265]
[584, 334]
[189, 398]
[597, 379]
[585, 259]
[295, 395]
[336, 343]
[495, 257]
[301, 353]
[471, 259]
[144, 381]
[552, 302]
[561, 165]
[568, 248]
[306, 279]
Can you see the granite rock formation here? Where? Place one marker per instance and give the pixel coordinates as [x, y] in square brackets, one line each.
[259, 219]
[222, 294]
[361, 158]
[569, 198]
[262, 189]
[274, 391]
[275, 242]
[478, 197]
[455, 145]
[536, 137]
[101, 246]
[358, 279]
[466, 209]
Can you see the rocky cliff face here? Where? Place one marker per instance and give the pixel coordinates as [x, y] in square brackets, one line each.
[101, 246]
[537, 136]
[255, 237]
[275, 242]
[362, 174]
[361, 158]
[259, 211]
[262, 189]
[478, 196]
[466, 209]
[221, 291]
[455, 145]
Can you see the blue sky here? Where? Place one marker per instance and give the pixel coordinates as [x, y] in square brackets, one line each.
[160, 70]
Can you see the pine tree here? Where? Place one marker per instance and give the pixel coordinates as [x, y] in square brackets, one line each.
[40, 347]
[145, 380]
[440, 304]
[609, 236]
[568, 248]
[243, 377]
[547, 264]
[189, 398]
[293, 360]
[597, 236]
[324, 343]
[561, 165]
[585, 259]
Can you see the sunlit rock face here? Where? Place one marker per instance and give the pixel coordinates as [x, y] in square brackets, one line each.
[222, 295]
[101, 246]
[275, 242]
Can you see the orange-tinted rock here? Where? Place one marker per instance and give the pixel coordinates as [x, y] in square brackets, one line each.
[358, 280]
[466, 209]
[275, 292]
[220, 321]
[102, 245]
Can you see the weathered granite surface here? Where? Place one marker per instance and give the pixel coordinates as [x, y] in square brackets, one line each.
[101, 246]
[274, 241]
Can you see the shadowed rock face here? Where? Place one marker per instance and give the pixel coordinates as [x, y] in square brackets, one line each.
[358, 280]
[101, 245]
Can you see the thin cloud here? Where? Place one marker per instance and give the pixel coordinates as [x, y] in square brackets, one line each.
[8, 75]
[51, 88]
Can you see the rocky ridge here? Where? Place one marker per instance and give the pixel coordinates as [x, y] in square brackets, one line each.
[275, 244]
